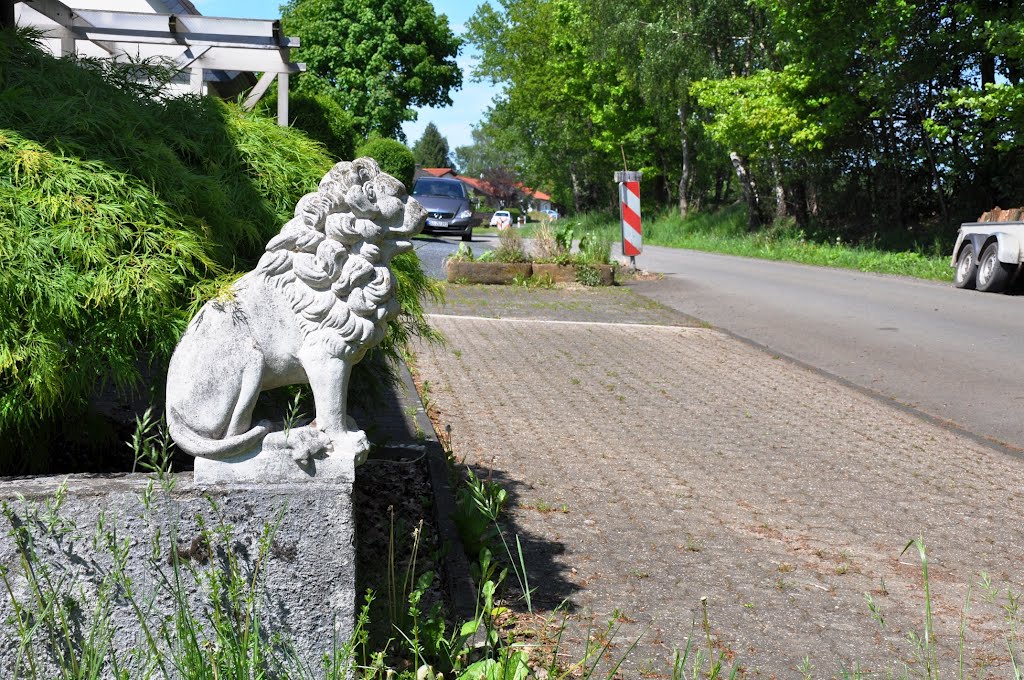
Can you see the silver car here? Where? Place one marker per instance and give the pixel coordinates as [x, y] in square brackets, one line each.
[447, 206]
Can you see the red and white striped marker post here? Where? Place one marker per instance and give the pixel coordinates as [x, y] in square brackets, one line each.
[629, 204]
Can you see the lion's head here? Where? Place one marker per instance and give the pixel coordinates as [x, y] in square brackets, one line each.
[331, 260]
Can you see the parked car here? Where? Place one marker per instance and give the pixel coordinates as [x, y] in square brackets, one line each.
[502, 219]
[447, 206]
[553, 214]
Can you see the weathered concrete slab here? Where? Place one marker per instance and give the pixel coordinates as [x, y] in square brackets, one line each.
[294, 542]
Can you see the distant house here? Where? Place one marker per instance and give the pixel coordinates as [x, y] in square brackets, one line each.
[481, 191]
[435, 172]
[536, 200]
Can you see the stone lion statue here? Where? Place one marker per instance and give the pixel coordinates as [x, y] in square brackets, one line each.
[320, 297]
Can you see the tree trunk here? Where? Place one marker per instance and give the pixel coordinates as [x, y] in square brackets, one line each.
[575, 188]
[988, 69]
[720, 178]
[684, 179]
[935, 172]
[739, 163]
[780, 190]
[812, 198]
[798, 202]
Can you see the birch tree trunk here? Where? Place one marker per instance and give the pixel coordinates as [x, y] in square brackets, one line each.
[684, 179]
[780, 190]
[576, 190]
[749, 190]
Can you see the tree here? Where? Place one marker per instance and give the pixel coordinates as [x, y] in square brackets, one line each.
[488, 150]
[503, 183]
[381, 59]
[431, 150]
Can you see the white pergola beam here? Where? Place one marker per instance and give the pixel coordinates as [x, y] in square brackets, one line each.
[220, 58]
[64, 16]
[181, 29]
[195, 81]
[258, 90]
[188, 57]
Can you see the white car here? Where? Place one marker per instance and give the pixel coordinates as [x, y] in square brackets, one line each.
[502, 219]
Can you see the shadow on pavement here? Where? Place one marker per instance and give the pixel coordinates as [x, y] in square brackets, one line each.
[545, 574]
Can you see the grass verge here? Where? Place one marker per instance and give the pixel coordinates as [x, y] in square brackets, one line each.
[725, 231]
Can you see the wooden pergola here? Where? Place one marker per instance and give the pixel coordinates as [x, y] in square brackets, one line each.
[198, 44]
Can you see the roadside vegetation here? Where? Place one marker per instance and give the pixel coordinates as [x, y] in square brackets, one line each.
[725, 231]
[873, 122]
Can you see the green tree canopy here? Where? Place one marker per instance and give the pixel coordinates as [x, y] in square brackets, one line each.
[380, 57]
[486, 151]
[431, 150]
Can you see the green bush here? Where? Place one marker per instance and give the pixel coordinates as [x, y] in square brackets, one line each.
[393, 157]
[321, 117]
[120, 213]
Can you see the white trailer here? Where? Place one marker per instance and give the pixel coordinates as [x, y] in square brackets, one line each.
[988, 254]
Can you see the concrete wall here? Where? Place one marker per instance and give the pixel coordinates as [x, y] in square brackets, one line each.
[307, 589]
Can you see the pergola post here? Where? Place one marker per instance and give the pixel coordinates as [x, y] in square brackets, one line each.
[195, 82]
[282, 99]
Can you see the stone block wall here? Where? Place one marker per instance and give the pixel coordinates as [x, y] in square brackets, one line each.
[292, 545]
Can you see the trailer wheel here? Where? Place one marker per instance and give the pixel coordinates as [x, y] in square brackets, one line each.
[993, 275]
[966, 268]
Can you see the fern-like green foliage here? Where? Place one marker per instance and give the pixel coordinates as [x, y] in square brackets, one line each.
[120, 213]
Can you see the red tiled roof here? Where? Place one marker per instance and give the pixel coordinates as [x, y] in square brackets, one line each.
[539, 195]
[438, 172]
[478, 184]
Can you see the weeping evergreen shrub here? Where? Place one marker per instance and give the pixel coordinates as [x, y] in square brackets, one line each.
[120, 213]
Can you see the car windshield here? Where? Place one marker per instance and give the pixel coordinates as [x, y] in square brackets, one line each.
[433, 187]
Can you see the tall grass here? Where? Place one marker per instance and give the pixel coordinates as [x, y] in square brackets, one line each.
[725, 231]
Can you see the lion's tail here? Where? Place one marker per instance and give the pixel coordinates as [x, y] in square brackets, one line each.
[199, 446]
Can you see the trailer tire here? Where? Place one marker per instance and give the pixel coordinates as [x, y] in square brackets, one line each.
[966, 268]
[993, 275]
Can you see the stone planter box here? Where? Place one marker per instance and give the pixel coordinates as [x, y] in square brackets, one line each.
[503, 273]
[487, 272]
[566, 273]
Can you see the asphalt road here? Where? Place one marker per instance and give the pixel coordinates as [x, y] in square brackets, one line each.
[952, 354]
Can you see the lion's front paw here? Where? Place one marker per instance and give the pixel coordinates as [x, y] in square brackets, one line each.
[351, 443]
[299, 443]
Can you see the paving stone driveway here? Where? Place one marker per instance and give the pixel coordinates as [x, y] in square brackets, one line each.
[654, 462]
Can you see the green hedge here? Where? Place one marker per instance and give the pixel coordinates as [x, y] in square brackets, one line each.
[394, 158]
[120, 213]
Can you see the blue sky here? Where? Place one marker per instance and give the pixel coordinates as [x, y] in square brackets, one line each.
[455, 121]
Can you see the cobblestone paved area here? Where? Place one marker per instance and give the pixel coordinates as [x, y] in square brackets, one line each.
[655, 462]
